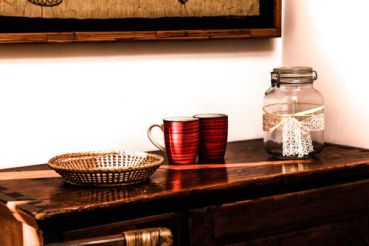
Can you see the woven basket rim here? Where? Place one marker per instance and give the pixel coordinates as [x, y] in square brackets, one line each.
[94, 154]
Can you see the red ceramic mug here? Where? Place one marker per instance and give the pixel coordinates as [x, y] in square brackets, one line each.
[181, 135]
[213, 137]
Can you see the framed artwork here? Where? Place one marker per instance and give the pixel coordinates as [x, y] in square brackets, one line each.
[56, 21]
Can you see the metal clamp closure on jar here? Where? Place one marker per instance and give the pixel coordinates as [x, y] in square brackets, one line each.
[291, 75]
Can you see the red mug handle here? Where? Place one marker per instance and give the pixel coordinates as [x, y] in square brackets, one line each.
[152, 140]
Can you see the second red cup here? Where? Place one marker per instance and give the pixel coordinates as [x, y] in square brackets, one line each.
[213, 137]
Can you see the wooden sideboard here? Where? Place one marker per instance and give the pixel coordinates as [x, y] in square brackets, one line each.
[251, 199]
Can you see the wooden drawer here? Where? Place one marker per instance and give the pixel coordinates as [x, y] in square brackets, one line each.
[352, 231]
[276, 215]
[172, 221]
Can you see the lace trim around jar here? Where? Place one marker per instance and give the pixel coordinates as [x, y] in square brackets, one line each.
[296, 129]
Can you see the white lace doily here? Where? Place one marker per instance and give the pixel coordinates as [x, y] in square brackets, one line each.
[296, 137]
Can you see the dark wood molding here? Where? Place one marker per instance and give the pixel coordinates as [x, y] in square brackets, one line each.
[272, 30]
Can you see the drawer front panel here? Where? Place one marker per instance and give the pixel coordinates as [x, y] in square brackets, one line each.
[246, 220]
[352, 231]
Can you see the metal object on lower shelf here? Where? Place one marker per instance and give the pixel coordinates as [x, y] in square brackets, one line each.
[145, 237]
[149, 237]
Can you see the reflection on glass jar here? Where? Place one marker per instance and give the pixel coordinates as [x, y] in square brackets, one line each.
[293, 119]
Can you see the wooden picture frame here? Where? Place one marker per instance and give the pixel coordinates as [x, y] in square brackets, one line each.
[40, 30]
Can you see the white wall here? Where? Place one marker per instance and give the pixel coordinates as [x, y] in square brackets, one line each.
[76, 97]
[333, 37]
[61, 98]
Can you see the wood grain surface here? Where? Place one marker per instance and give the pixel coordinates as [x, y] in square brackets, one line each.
[247, 173]
[269, 197]
[19, 175]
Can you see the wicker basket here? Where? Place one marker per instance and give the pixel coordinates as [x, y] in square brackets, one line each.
[106, 168]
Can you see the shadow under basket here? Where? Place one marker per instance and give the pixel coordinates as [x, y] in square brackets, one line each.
[106, 168]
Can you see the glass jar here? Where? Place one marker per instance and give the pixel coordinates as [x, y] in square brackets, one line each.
[293, 119]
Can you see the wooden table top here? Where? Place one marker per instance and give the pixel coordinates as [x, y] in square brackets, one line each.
[40, 196]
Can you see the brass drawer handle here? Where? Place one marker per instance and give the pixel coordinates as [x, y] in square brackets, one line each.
[146, 237]
[149, 237]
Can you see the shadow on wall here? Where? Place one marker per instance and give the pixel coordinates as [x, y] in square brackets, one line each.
[139, 48]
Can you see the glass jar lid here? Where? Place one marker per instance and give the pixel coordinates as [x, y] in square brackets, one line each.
[294, 75]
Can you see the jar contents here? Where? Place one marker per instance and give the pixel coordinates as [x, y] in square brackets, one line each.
[293, 114]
